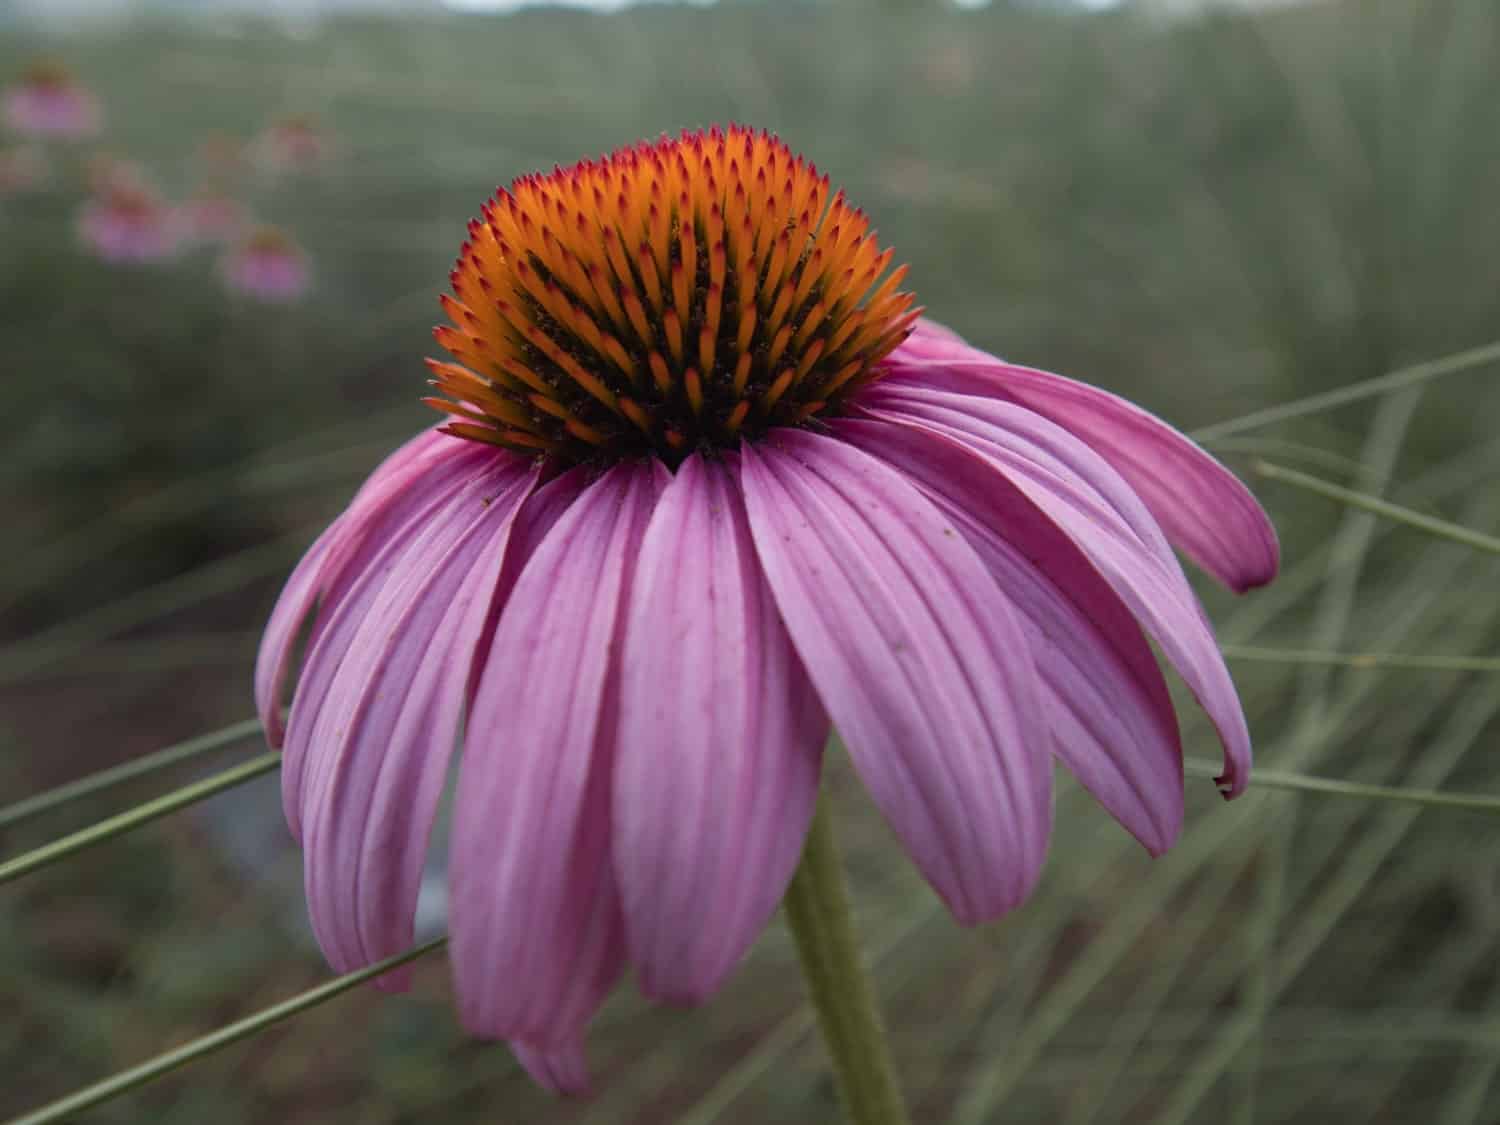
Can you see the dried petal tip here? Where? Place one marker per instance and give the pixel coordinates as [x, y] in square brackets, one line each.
[667, 297]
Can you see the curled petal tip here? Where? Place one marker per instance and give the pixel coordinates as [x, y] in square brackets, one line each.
[1231, 783]
[1263, 571]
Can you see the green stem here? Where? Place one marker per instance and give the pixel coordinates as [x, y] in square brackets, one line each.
[817, 909]
[1413, 376]
[1413, 661]
[64, 1108]
[133, 818]
[1334, 787]
[127, 771]
[1384, 508]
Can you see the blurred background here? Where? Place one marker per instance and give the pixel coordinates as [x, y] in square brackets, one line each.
[223, 229]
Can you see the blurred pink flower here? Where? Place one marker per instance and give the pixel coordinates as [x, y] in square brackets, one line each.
[697, 499]
[293, 144]
[212, 218]
[268, 266]
[48, 102]
[23, 169]
[130, 224]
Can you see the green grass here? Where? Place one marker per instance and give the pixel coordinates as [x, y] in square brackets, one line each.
[1217, 217]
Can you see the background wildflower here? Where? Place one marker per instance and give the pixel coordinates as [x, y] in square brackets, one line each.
[293, 144]
[130, 225]
[46, 101]
[268, 266]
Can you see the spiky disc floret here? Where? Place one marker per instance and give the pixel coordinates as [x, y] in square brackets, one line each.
[673, 296]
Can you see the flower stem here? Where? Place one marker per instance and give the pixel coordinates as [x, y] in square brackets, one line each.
[149, 1071]
[1413, 376]
[141, 814]
[127, 771]
[1337, 787]
[817, 909]
[1384, 508]
[1435, 662]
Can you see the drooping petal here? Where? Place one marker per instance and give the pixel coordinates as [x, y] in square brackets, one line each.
[1111, 716]
[369, 555]
[535, 917]
[720, 739]
[389, 496]
[927, 675]
[1038, 449]
[273, 660]
[563, 1070]
[327, 562]
[1203, 507]
[1070, 486]
[388, 731]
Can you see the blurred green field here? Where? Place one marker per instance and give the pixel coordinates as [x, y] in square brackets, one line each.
[1209, 215]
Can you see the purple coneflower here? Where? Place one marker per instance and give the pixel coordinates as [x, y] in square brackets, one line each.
[268, 266]
[48, 101]
[707, 484]
[130, 225]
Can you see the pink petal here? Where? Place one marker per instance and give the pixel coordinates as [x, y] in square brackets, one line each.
[536, 925]
[1039, 450]
[1112, 720]
[1203, 507]
[543, 508]
[720, 741]
[1068, 488]
[563, 1070]
[391, 721]
[915, 653]
[274, 658]
[391, 494]
[325, 562]
[373, 537]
